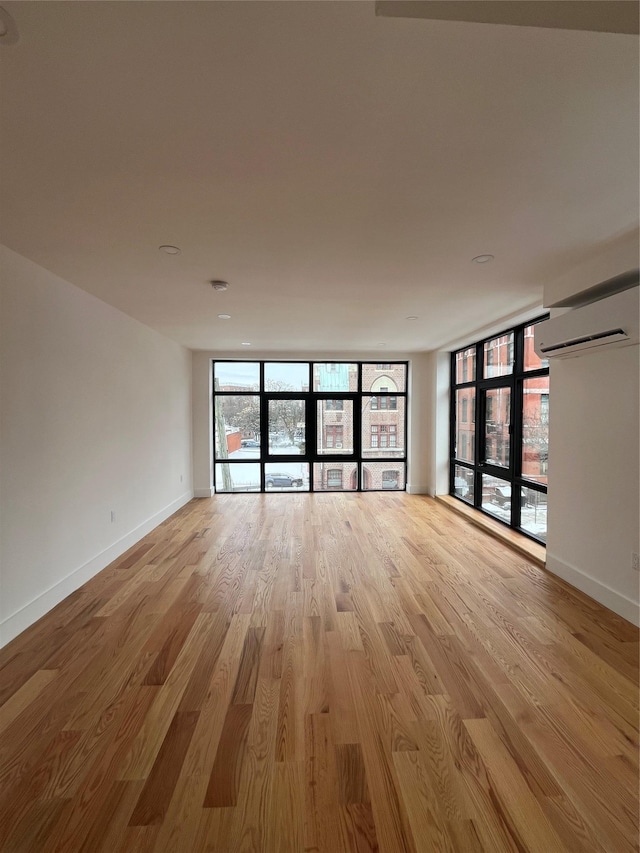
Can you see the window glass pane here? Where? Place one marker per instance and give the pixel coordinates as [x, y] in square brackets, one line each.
[334, 426]
[249, 449]
[385, 401]
[535, 428]
[498, 356]
[334, 376]
[236, 376]
[465, 424]
[382, 429]
[463, 483]
[496, 428]
[531, 360]
[236, 477]
[286, 376]
[511, 450]
[237, 426]
[466, 365]
[287, 477]
[335, 476]
[383, 475]
[496, 497]
[384, 377]
[287, 427]
[533, 517]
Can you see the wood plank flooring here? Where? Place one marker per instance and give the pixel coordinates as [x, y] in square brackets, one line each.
[327, 673]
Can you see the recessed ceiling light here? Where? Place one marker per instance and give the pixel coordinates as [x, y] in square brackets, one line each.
[170, 250]
[412, 317]
[482, 259]
[245, 344]
[382, 344]
[218, 284]
[224, 316]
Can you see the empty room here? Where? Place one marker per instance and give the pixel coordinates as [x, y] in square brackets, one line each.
[319, 426]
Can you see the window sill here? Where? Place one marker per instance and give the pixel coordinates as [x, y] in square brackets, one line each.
[531, 550]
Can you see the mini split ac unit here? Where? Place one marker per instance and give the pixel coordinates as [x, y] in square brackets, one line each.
[609, 322]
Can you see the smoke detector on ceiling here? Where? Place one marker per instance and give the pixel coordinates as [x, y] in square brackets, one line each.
[218, 284]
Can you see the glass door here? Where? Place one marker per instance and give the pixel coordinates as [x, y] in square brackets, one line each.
[286, 458]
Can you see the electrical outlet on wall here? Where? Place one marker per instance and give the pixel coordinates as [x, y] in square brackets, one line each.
[635, 561]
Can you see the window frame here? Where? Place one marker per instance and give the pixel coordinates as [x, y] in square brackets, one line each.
[311, 456]
[514, 381]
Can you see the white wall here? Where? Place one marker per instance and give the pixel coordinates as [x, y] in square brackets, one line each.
[594, 465]
[95, 416]
[439, 422]
[201, 391]
[419, 425]
[604, 261]
[594, 507]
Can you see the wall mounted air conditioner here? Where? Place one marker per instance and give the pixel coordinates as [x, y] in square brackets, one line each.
[613, 321]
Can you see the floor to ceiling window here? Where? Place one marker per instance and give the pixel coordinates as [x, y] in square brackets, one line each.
[499, 429]
[309, 426]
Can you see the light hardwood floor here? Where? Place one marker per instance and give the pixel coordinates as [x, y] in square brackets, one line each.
[329, 672]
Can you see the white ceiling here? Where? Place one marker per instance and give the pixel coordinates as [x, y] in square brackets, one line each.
[339, 169]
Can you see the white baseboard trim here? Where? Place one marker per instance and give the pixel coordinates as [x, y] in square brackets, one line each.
[13, 625]
[203, 493]
[417, 490]
[600, 592]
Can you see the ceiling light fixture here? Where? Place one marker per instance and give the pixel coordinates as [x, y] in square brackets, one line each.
[412, 317]
[482, 259]
[170, 250]
[224, 316]
[382, 344]
[245, 344]
[218, 284]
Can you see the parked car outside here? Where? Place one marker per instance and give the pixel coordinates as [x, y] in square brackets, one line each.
[282, 480]
[502, 496]
[249, 442]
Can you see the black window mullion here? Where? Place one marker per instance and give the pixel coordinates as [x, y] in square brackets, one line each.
[263, 421]
[516, 450]
[357, 435]
[452, 424]
[479, 430]
[310, 431]
[264, 430]
[360, 464]
[516, 428]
